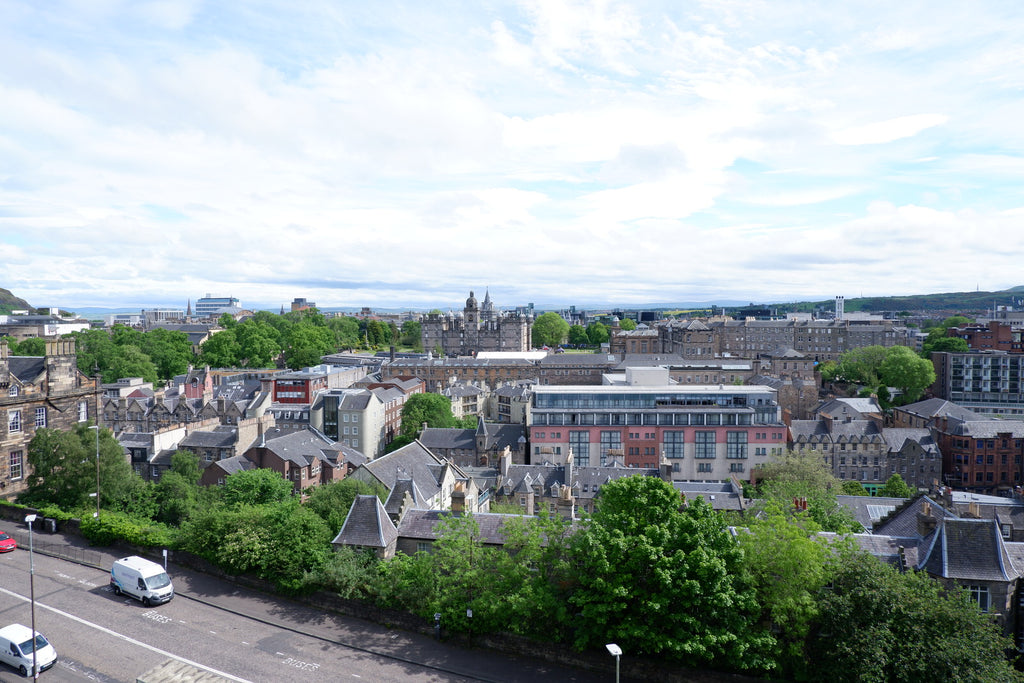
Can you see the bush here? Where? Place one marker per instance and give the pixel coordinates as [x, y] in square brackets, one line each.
[114, 526]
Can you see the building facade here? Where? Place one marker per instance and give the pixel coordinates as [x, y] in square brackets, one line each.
[479, 328]
[39, 392]
[984, 382]
[709, 433]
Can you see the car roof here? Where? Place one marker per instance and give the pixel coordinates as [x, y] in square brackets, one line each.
[16, 632]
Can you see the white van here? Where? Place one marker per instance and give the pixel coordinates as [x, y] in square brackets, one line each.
[141, 579]
[16, 649]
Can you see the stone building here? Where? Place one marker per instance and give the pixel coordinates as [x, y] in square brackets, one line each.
[36, 392]
[479, 328]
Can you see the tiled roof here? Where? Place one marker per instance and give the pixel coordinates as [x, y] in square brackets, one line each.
[937, 407]
[989, 429]
[367, 524]
[26, 368]
[903, 522]
[422, 525]
[967, 549]
[301, 447]
[447, 439]
[413, 461]
[870, 510]
[897, 437]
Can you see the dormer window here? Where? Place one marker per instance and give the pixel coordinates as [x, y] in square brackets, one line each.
[13, 391]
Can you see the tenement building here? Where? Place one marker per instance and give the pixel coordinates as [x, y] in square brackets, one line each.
[39, 392]
[708, 433]
[479, 328]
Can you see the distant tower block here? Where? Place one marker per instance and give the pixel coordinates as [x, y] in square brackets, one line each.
[840, 306]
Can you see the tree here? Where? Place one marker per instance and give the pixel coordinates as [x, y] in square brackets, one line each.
[850, 487]
[895, 487]
[947, 344]
[803, 475]
[221, 350]
[255, 487]
[433, 409]
[658, 580]
[332, 501]
[788, 563]
[598, 333]
[169, 350]
[259, 344]
[345, 330]
[131, 362]
[549, 329]
[63, 468]
[861, 365]
[307, 344]
[33, 346]
[412, 332]
[627, 324]
[177, 493]
[905, 370]
[578, 335]
[872, 614]
[95, 351]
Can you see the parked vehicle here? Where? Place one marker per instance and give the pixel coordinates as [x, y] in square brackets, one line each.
[16, 643]
[7, 543]
[141, 579]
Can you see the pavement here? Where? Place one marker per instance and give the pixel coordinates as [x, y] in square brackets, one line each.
[455, 660]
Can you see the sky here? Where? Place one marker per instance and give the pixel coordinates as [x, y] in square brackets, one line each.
[393, 154]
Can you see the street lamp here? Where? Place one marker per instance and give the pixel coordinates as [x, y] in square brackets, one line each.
[97, 494]
[615, 651]
[32, 589]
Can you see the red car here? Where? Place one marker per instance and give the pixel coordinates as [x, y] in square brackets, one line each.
[7, 543]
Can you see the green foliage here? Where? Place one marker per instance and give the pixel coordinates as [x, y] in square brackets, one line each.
[804, 475]
[598, 333]
[895, 487]
[259, 344]
[412, 332]
[578, 335]
[170, 351]
[333, 501]
[549, 329]
[346, 331]
[307, 344]
[34, 346]
[627, 324]
[852, 488]
[878, 625]
[788, 564]
[131, 361]
[467, 422]
[280, 542]
[904, 369]
[63, 470]
[398, 442]
[348, 572]
[658, 580]
[256, 487]
[949, 344]
[433, 409]
[221, 350]
[111, 527]
[861, 365]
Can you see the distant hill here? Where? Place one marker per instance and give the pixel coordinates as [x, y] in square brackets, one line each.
[950, 302]
[9, 302]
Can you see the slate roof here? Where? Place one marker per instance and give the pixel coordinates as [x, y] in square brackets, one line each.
[967, 549]
[442, 438]
[26, 368]
[886, 548]
[301, 447]
[413, 461]
[497, 436]
[367, 524]
[853, 407]
[903, 522]
[937, 407]
[222, 436]
[988, 429]
[236, 463]
[897, 437]
[870, 510]
[421, 525]
[721, 495]
[396, 497]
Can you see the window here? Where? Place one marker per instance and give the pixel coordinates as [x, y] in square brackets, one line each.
[979, 596]
[673, 444]
[705, 445]
[579, 443]
[14, 421]
[422, 546]
[355, 430]
[16, 466]
[610, 440]
[735, 467]
[41, 418]
[13, 391]
[736, 445]
[83, 411]
[703, 467]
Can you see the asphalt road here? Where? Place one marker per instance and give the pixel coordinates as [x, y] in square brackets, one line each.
[239, 634]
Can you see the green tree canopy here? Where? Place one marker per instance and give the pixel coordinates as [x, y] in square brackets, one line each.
[895, 487]
[907, 371]
[878, 625]
[33, 346]
[131, 361]
[332, 501]
[433, 409]
[549, 329]
[169, 350]
[627, 324]
[804, 475]
[412, 334]
[578, 335]
[948, 344]
[861, 365]
[598, 333]
[255, 487]
[661, 580]
[221, 350]
[307, 344]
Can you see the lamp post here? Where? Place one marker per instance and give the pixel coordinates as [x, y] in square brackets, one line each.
[615, 651]
[29, 519]
[97, 494]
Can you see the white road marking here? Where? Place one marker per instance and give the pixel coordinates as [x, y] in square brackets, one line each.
[124, 637]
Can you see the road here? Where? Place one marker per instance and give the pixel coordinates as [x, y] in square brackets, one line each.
[238, 634]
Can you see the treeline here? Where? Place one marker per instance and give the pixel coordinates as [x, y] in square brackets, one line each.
[265, 340]
[764, 594]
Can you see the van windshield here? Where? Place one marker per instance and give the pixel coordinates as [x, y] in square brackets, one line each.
[26, 647]
[161, 580]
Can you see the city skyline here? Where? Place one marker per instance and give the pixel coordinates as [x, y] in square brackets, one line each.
[588, 153]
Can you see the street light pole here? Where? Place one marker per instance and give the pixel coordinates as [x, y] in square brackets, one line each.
[29, 519]
[97, 428]
[615, 651]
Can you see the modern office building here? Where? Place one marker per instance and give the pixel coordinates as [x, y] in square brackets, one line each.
[212, 306]
[703, 432]
[985, 382]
